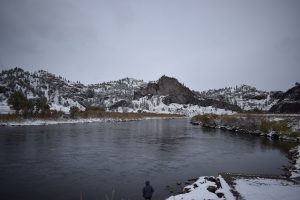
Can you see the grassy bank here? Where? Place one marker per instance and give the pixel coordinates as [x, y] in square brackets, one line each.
[273, 125]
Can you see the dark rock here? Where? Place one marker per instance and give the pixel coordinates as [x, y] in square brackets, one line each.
[174, 91]
[289, 102]
[210, 178]
[275, 136]
[195, 185]
[220, 194]
[186, 190]
[212, 189]
[218, 183]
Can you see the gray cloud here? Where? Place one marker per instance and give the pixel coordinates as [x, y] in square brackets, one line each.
[205, 44]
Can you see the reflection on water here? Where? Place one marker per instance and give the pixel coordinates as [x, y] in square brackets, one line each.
[60, 161]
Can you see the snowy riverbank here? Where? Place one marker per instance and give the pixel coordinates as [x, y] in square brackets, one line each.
[248, 187]
[231, 187]
[40, 122]
[275, 126]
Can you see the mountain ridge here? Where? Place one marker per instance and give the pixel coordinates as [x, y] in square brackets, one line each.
[166, 95]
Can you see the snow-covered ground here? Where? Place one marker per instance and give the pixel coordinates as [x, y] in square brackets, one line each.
[155, 104]
[72, 121]
[247, 188]
[39, 122]
[262, 188]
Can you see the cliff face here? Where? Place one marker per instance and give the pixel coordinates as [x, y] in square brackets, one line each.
[289, 102]
[173, 91]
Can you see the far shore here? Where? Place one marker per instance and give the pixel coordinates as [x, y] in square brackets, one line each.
[81, 117]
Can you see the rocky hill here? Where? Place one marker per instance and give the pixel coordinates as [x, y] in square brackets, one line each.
[166, 95]
[289, 102]
[174, 92]
[60, 93]
[246, 97]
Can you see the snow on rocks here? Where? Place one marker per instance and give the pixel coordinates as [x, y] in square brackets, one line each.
[206, 188]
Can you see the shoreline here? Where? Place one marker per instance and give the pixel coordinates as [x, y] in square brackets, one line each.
[245, 186]
[45, 122]
[254, 124]
[232, 186]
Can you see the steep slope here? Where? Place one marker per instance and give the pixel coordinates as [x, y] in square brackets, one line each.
[289, 102]
[169, 87]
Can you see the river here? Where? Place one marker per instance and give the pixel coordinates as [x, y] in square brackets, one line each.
[60, 161]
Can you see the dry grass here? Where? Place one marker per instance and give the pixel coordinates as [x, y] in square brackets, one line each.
[252, 122]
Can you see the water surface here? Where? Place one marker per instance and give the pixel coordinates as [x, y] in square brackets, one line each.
[60, 161]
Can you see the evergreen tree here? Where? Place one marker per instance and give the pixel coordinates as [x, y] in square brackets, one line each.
[18, 101]
[74, 111]
[42, 105]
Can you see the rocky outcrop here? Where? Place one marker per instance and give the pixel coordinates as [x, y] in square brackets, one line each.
[173, 91]
[176, 92]
[289, 102]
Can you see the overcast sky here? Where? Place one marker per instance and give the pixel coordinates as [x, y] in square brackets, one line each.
[205, 44]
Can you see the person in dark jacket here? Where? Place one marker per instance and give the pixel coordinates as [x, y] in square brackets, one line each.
[148, 191]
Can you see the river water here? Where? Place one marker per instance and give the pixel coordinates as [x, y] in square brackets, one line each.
[98, 159]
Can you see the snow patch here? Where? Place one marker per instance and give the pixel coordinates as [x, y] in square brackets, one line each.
[5, 109]
[198, 190]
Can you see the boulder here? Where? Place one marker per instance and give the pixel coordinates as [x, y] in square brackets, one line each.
[212, 189]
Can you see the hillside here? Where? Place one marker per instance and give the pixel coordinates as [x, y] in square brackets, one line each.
[166, 95]
[246, 97]
[289, 102]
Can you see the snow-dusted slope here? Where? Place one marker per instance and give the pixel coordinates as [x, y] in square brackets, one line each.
[60, 93]
[246, 97]
[167, 95]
